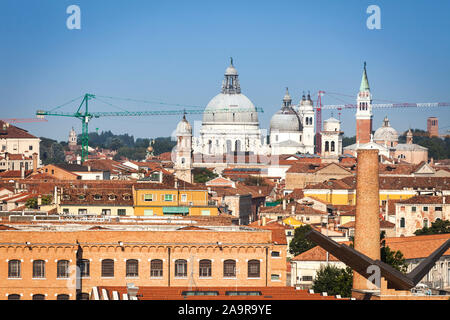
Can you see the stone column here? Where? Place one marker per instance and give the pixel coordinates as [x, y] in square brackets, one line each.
[367, 223]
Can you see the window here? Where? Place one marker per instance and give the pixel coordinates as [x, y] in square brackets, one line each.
[307, 278]
[204, 268]
[121, 212]
[275, 254]
[97, 197]
[62, 269]
[84, 266]
[402, 222]
[425, 208]
[253, 268]
[81, 197]
[184, 198]
[83, 296]
[30, 148]
[38, 297]
[62, 297]
[206, 213]
[148, 197]
[65, 211]
[148, 212]
[156, 268]
[275, 277]
[413, 209]
[180, 268]
[13, 296]
[229, 269]
[199, 293]
[39, 269]
[112, 197]
[438, 208]
[168, 197]
[132, 268]
[82, 211]
[243, 293]
[14, 269]
[327, 146]
[107, 268]
[106, 212]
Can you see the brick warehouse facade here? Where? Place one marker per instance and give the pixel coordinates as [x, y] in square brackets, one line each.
[31, 267]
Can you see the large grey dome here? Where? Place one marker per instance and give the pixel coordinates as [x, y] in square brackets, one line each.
[226, 107]
[386, 132]
[285, 120]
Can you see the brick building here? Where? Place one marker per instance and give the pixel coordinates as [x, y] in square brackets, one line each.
[38, 262]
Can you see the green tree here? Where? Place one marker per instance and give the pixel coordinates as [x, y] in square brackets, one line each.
[46, 200]
[437, 227]
[31, 203]
[334, 281]
[347, 141]
[201, 175]
[299, 243]
[394, 258]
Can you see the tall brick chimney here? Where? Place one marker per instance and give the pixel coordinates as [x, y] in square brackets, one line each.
[367, 223]
[35, 162]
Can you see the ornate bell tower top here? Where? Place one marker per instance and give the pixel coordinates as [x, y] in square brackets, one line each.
[230, 84]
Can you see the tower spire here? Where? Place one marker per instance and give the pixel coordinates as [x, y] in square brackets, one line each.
[364, 81]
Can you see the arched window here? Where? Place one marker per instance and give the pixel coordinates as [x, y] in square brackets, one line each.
[204, 268]
[62, 269]
[39, 269]
[332, 146]
[83, 296]
[156, 268]
[13, 296]
[402, 222]
[38, 297]
[229, 146]
[229, 268]
[327, 146]
[180, 268]
[107, 268]
[132, 267]
[14, 269]
[237, 145]
[84, 265]
[62, 297]
[253, 269]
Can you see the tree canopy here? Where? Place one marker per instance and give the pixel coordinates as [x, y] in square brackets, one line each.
[334, 281]
[299, 243]
[437, 227]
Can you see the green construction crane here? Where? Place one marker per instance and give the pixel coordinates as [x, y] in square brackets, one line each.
[85, 116]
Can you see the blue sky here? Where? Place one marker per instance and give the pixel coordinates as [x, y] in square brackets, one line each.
[177, 51]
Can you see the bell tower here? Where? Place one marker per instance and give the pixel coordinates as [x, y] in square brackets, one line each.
[364, 113]
[183, 161]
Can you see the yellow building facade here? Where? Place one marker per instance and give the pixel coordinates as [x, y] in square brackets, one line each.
[348, 197]
[160, 202]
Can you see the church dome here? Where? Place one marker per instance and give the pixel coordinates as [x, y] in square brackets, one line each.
[183, 128]
[386, 133]
[331, 124]
[230, 106]
[285, 120]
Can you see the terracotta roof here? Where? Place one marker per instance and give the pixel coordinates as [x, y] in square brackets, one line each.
[300, 167]
[383, 225]
[5, 227]
[14, 174]
[175, 293]
[14, 156]
[109, 165]
[8, 131]
[278, 232]
[296, 194]
[97, 196]
[192, 228]
[299, 209]
[421, 199]
[418, 246]
[315, 254]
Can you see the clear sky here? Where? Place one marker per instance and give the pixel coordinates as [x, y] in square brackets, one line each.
[177, 52]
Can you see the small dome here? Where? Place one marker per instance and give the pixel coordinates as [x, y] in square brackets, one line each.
[231, 71]
[285, 120]
[332, 124]
[386, 133]
[184, 128]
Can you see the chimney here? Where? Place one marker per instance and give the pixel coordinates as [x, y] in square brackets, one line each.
[35, 162]
[367, 222]
[284, 204]
[89, 168]
[293, 208]
[22, 171]
[176, 182]
[264, 221]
